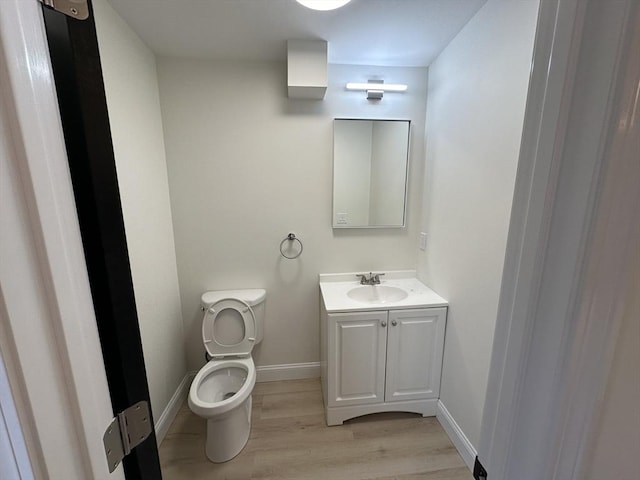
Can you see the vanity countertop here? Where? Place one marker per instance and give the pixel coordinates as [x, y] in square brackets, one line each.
[335, 288]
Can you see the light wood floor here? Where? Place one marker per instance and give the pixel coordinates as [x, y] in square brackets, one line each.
[290, 441]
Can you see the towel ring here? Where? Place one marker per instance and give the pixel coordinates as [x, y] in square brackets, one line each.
[290, 238]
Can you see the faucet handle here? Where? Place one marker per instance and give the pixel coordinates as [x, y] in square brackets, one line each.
[375, 279]
[369, 278]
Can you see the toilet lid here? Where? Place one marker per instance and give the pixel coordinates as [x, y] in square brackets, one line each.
[244, 347]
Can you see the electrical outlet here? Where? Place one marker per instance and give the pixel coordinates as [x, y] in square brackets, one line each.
[423, 241]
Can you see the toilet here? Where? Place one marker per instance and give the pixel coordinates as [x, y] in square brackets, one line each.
[221, 390]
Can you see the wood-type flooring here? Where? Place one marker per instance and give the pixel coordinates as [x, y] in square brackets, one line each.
[291, 441]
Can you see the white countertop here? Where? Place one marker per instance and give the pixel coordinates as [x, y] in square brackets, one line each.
[334, 288]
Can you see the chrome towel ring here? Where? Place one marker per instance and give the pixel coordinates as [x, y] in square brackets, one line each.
[290, 238]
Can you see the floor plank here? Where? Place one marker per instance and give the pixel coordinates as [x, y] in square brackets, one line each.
[290, 441]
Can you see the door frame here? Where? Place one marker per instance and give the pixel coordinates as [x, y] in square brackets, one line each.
[77, 72]
[53, 259]
[48, 335]
[74, 76]
[574, 226]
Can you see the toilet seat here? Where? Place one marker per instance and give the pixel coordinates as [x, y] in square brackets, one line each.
[242, 348]
[207, 408]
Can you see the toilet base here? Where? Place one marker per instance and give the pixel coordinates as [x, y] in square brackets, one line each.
[227, 436]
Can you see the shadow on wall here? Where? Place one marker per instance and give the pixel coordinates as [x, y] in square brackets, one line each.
[303, 107]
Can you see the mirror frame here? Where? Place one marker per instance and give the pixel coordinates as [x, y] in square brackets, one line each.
[406, 177]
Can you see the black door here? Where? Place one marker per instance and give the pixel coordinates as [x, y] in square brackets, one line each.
[73, 46]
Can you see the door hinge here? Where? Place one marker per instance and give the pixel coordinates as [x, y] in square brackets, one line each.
[479, 473]
[130, 428]
[73, 8]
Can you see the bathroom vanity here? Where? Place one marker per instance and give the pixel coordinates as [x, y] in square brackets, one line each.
[381, 345]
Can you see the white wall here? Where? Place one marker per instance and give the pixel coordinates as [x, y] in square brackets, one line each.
[247, 166]
[477, 92]
[131, 87]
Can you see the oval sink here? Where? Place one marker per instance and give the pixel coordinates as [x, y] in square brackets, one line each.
[377, 294]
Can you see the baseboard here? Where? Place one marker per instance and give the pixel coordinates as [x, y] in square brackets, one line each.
[457, 436]
[169, 414]
[290, 371]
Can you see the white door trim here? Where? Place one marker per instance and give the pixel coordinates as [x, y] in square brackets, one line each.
[48, 333]
[544, 124]
[541, 403]
[612, 267]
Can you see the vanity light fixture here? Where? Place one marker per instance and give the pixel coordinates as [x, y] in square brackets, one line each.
[375, 88]
[323, 4]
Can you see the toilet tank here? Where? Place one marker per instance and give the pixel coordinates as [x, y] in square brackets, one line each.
[254, 297]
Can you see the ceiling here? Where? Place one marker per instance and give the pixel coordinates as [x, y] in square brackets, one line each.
[364, 32]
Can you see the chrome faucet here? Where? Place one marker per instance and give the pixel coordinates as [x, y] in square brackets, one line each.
[370, 279]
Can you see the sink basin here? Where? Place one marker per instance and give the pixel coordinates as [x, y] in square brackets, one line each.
[377, 294]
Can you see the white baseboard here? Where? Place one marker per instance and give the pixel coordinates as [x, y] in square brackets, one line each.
[457, 436]
[169, 414]
[290, 371]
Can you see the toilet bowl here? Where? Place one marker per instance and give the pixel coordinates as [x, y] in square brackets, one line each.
[221, 393]
[221, 390]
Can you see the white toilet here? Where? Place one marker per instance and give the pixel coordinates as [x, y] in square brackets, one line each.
[221, 391]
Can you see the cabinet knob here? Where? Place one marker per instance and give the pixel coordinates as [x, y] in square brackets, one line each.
[383, 323]
[394, 322]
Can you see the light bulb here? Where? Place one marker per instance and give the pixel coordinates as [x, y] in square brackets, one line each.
[323, 4]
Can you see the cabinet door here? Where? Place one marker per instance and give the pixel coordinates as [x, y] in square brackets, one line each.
[357, 348]
[414, 353]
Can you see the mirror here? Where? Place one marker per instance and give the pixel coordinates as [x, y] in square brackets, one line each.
[370, 159]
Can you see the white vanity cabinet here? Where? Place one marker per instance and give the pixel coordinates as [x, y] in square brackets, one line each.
[383, 360]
